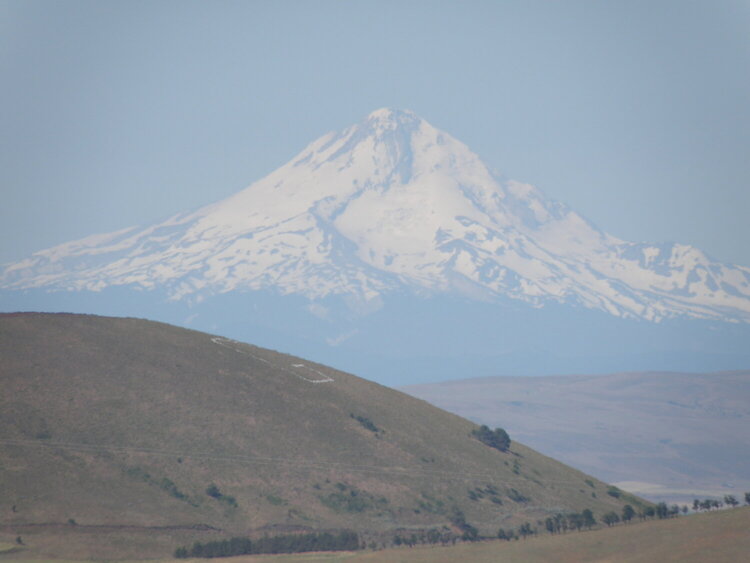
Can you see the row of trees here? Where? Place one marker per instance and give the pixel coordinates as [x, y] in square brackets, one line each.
[710, 504]
[562, 523]
[612, 518]
[663, 511]
[288, 543]
[432, 536]
[557, 524]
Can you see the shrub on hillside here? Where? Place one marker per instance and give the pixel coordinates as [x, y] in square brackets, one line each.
[515, 496]
[468, 532]
[213, 491]
[614, 492]
[497, 438]
[365, 422]
[350, 499]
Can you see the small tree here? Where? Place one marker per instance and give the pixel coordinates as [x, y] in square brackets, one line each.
[730, 500]
[747, 498]
[525, 530]
[588, 518]
[433, 535]
[470, 533]
[662, 510]
[627, 513]
[610, 518]
[549, 524]
[614, 491]
[497, 438]
[575, 521]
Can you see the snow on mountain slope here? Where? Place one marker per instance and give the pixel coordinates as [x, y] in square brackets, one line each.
[387, 204]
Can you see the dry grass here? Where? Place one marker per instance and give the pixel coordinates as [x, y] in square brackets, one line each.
[6, 547]
[99, 415]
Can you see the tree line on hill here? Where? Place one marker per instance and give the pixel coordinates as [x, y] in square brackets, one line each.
[561, 523]
[461, 531]
[710, 504]
[557, 524]
[287, 543]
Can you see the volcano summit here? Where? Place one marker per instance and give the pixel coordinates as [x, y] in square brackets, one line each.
[391, 209]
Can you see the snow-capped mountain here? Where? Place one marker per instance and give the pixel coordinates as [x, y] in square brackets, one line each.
[389, 204]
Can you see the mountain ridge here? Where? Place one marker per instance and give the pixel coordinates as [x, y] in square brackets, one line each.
[393, 204]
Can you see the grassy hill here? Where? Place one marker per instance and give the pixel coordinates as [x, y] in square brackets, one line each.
[125, 438]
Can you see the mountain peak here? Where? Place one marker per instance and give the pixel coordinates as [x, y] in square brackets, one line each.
[392, 115]
[390, 121]
[392, 203]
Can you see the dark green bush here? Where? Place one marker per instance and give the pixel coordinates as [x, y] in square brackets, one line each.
[497, 438]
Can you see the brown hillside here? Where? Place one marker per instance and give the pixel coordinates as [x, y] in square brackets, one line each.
[114, 429]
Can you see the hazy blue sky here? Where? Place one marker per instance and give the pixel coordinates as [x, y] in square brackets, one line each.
[635, 113]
